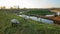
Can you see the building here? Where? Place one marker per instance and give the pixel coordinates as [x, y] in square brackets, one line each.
[57, 11]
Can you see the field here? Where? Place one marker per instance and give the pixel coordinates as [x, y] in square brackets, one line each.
[39, 12]
[25, 27]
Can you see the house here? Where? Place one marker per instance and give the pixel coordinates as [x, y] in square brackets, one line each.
[57, 12]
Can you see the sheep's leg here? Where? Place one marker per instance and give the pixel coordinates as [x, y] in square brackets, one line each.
[12, 24]
[16, 24]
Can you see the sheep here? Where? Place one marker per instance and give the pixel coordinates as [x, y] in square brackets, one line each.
[14, 22]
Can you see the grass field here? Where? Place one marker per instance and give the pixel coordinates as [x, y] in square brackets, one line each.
[25, 27]
[39, 12]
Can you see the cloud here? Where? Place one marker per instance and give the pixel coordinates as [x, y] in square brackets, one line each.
[30, 3]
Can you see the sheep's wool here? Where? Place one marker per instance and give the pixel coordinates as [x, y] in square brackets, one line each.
[14, 21]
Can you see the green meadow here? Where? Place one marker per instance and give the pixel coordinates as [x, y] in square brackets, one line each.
[25, 27]
[39, 12]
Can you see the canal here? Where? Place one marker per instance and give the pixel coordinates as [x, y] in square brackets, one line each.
[38, 19]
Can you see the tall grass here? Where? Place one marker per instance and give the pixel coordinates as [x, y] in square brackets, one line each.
[25, 27]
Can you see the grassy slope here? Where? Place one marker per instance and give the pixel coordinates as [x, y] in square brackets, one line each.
[39, 12]
[25, 27]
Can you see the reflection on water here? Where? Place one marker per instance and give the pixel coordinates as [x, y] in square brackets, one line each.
[37, 19]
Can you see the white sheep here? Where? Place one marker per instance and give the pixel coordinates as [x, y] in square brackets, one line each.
[14, 21]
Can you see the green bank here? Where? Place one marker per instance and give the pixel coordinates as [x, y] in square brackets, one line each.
[39, 12]
[25, 27]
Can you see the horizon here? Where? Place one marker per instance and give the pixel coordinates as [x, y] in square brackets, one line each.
[31, 3]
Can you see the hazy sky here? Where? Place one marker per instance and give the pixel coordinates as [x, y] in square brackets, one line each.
[31, 3]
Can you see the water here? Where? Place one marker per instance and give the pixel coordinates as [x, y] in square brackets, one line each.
[37, 19]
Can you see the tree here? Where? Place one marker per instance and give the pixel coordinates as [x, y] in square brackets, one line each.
[3, 7]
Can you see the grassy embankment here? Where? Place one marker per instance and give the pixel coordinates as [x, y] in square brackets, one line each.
[38, 12]
[25, 27]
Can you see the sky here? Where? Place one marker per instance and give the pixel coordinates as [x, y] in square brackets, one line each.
[31, 3]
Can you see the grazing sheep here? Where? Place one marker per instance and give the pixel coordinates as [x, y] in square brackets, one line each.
[14, 22]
